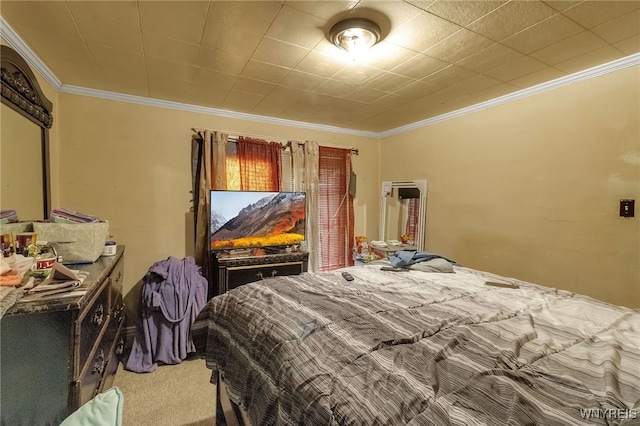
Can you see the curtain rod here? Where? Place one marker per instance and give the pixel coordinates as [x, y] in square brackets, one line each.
[234, 139]
[288, 144]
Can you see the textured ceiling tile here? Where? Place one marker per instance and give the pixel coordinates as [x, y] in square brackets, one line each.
[179, 20]
[169, 49]
[590, 59]
[592, 13]
[386, 103]
[515, 69]
[448, 76]
[321, 63]
[62, 53]
[569, 48]
[125, 81]
[543, 34]
[417, 89]
[279, 53]
[384, 56]
[207, 95]
[419, 66]
[511, 18]
[253, 86]
[221, 61]
[489, 58]
[212, 47]
[123, 14]
[397, 12]
[161, 87]
[629, 46]
[236, 41]
[277, 101]
[107, 58]
[206, 77]
[458, 46]
[561, 5]
[241, 101]
[296, 27]
[254, 16]
[300, 112]
[471, 85]
[538, 77]
[366, 94]
[421, 32]
[356, 74]
[389, 82]
[323, 9]
[336, 88]
[620, 28]
[463, 12]
[302, 81]
[165, 69]
[108, 35]
[265, 72]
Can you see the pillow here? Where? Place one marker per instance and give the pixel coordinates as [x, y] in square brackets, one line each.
[105, 409]
[432, 265]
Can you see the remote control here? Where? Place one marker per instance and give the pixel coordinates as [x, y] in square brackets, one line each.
[347, 276]
[505, 285]
[393, 269]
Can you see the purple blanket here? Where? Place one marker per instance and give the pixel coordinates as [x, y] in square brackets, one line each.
[174, 292]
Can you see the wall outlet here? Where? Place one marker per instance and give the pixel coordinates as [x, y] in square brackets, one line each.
[627, 208]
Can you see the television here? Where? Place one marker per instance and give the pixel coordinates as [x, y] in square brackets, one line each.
[252, 219]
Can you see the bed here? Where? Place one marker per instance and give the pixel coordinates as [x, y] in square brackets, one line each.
[422, 348]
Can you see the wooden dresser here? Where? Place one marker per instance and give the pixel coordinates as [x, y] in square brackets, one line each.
[58, 352]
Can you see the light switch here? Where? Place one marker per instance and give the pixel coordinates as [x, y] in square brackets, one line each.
[627, 208]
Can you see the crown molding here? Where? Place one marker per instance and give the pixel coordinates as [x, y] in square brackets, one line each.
[616, 65]
[12, 39]
[94, 93]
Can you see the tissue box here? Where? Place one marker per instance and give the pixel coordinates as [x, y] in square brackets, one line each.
[75, 242]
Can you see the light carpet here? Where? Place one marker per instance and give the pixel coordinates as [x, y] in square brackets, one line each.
[173, 395]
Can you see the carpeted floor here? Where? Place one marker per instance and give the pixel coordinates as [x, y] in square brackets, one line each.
[173, 395]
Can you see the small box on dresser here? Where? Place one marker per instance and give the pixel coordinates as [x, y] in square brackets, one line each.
[58, 352]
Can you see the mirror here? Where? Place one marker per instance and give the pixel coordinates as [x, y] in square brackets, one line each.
[403, 212]
[24, 140]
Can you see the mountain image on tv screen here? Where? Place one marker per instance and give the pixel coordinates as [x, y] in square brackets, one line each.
[242, 219]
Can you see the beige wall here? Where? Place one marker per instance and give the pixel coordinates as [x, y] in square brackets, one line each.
[531, 189]
[130, 164]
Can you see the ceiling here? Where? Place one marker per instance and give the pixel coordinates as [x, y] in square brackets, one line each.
[273, 58]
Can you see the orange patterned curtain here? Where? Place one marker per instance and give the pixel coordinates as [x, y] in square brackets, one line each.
[259, 164]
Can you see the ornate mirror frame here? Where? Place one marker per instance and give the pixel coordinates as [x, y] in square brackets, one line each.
[21, 92]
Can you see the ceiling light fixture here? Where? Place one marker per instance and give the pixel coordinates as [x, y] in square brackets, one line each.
[355, 35]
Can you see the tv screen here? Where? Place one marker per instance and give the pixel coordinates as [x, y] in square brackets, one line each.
[248, 219]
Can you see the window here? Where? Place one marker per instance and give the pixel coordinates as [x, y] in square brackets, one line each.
[335, 205]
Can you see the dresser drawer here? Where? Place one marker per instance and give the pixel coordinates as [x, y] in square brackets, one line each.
[116, 277]
[237, 276]
[90, 323]
[113, 359]
[96, 367]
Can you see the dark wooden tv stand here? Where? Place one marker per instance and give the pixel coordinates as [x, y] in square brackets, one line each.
[228, 272]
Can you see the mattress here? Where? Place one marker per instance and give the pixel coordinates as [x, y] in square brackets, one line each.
[422, 348]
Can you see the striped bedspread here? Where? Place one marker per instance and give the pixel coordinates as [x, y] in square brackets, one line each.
[418, 348]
